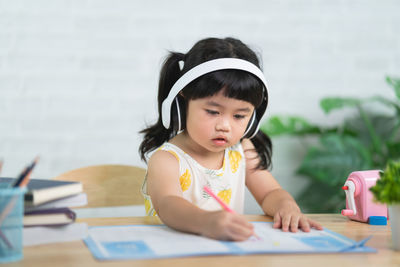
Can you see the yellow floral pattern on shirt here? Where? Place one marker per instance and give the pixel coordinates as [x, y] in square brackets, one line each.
[170, 151]
[225, 195]
[185, 180]
[149, 208]
[174, 154]
[234, 160]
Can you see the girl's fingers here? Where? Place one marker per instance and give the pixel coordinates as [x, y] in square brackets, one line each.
[304, 224]
[243, 222]
[277, 221]
[286, 222]
[238, 228]
[239, 233]
[315, 225]
[294, 224]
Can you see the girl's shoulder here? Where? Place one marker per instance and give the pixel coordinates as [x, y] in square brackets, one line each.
[167, 151]
[164, 161]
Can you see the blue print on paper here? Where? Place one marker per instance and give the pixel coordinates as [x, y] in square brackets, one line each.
[322, 242]
[128, 249]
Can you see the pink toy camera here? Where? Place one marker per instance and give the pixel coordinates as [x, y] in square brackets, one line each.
[359, 200]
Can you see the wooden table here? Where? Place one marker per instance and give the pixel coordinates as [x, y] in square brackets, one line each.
[76, 253]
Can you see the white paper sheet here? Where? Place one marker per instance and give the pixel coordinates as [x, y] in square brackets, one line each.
[159, 241]
[54, 234]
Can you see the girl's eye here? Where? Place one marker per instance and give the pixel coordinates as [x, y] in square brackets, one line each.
[238, 116]
[212, 112]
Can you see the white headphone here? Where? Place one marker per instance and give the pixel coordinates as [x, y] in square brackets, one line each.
[207, 67]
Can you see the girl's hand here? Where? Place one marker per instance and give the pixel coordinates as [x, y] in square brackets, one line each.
[224, 225]
[294, 220]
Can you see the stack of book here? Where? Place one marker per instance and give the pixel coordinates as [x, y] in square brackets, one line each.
[48, 202]
[48, 216]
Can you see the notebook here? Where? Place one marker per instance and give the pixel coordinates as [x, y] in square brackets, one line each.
[49, 217]
[73, 201]
[41, 190]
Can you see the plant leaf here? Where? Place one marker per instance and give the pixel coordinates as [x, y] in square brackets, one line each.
[386, 102]
[321, 198]
[383, 125]
[395, 83]
[393, 150]
[387, 188]
[335, 158]
[291, 125]
[330, 103]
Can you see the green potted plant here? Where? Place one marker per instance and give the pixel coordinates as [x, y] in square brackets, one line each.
[366, 139]
[387, 190]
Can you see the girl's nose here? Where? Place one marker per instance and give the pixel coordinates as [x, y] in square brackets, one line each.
[223, 125]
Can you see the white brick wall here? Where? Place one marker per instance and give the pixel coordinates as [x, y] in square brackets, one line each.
[78, 77]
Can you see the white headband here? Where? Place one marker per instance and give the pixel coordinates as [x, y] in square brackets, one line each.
[204, 68]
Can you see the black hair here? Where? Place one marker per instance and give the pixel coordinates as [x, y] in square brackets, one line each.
[236, 83]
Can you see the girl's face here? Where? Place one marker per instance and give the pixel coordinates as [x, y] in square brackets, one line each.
[217, 122]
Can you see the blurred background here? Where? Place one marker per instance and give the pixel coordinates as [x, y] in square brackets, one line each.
[78, 78]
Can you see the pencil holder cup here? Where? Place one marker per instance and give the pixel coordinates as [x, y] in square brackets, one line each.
[11, 223]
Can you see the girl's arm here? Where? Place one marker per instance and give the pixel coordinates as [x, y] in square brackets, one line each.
[166, 194]
[274, 201]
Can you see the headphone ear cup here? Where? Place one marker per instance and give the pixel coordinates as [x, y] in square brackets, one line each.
[251, 127]
[254, 129]
[178, 117]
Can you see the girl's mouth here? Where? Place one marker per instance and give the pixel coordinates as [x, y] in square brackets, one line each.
[219, 141]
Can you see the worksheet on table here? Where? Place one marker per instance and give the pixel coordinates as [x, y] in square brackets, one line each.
[160, 241]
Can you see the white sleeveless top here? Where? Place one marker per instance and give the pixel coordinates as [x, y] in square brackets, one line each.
[228, 182]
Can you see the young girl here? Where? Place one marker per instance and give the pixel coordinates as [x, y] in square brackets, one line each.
[210, 102]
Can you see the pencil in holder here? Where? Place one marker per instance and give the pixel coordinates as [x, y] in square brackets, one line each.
[11, 223]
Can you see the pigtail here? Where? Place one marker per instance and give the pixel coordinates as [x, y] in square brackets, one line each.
[263, 146]
[155, 135]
